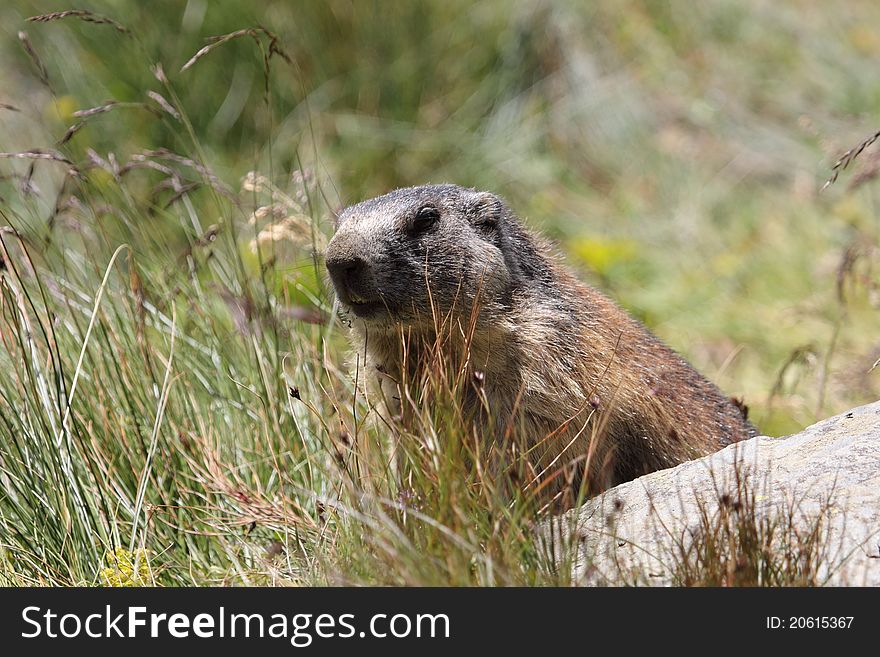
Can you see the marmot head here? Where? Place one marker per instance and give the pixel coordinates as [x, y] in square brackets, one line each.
[402, 256]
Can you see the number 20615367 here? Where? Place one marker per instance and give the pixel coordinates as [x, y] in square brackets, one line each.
[809, 622]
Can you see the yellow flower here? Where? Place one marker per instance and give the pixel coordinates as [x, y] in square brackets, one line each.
[126, 568]
[602, 254]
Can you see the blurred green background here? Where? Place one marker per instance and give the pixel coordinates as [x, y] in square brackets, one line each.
[674, 150]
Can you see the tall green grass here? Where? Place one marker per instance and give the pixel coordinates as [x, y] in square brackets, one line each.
[175, 384]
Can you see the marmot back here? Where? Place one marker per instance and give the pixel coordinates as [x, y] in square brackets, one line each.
[584, 383]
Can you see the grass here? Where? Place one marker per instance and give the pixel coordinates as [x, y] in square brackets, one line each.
[736, 542]
[733, 532]
[176, 385]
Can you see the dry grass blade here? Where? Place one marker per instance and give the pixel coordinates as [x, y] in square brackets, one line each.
[159, 73]
[114, 104]
[42, 154]
[70, 132]
[154, 437]
[847, 158]
[253, 32]
[740, 541]
[42, 71]
[100, 109]
[204, 171]
[37, 154]
[164, 104]
[93, 111]
[81, 14]
[241, 504]
[182, 191]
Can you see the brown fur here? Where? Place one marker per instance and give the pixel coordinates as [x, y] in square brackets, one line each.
[597, 398]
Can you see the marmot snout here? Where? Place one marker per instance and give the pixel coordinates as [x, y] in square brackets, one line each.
[393, 256]
[582, 381]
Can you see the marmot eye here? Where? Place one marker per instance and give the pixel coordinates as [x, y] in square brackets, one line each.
[425, 218]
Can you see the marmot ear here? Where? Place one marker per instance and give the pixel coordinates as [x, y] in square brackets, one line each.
[485, 210]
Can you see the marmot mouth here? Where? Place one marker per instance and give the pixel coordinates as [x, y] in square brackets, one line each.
[360, 305]
[364, 308]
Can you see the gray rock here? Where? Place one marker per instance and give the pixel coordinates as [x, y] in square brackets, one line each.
[826, 478]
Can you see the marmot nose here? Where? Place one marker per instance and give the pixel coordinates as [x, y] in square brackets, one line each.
[345, 270]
